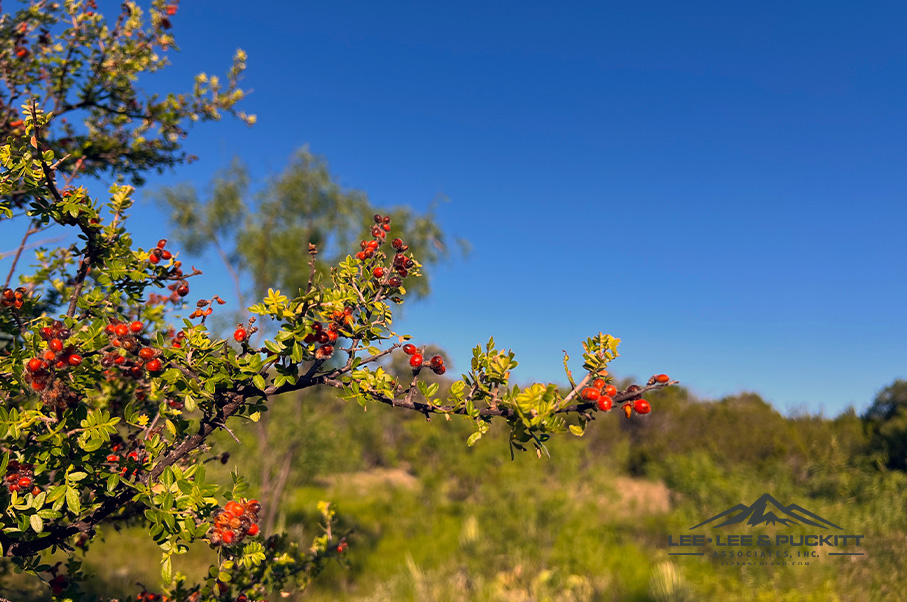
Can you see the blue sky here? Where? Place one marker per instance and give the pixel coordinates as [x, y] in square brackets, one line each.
[719, 184]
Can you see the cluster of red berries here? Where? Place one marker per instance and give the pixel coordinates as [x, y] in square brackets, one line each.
[125, 338]
[234, 522]
[127, 460]
[13, 298]
[150, 597]
[179, 289]
[20, 477]
[417, 360]
[57, 356]
[402, 263]
[382, 226]
[327, 337]
[601, 393]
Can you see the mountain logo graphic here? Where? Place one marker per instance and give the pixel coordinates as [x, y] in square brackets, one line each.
[768, 510]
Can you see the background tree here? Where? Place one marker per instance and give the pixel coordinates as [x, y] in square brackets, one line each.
[260, 238]
[886, 422]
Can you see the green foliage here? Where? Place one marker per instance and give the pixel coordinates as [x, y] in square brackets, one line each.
[85, 69]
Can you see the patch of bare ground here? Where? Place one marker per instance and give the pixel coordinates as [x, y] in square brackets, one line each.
[371, 480]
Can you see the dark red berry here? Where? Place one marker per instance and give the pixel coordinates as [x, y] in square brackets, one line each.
[409, 349]
[397, 244]
[56, 345]
[378, 272]
[162, 243]
[75, 359]
[182, 290]
[154, 365]
[436, 361]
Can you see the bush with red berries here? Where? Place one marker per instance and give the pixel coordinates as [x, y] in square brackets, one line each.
[112, 389]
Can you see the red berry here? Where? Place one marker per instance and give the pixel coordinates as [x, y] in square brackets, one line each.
[605, 402]
[239, 335]
[416, 360]
[228, 537]
[642, 406]
[324, 351]
[436, 361]
[397, 244]
[387, 227]
[75, 359]
[47, 332]
[591, 394]
[166, 255]
[182, 290]
[35, 490]
[153, 258]
[162, 243]
[136, 327]
[34, 364]
[122, 330]
[599, 383]
[662, 378]
[154, 365]
[611, 390]
[56, 345]
[439, 370]
[378, 272]
[146, 353]
[360, 255]
[409, 349]
[24, 483]
[378, 218]
[253, 530]
[50, 355]
[113, 458]
[234, 508]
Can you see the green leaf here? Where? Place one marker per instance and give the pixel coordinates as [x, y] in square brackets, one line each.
[166, 569]
[36, 523]
[92, 444]
[72, 500]
[259, 381]
[577, 430]
[473, 438]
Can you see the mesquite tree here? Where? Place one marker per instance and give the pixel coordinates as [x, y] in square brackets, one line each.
[110, 401]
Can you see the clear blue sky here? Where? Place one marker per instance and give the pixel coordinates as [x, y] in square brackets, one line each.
[719, 184]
